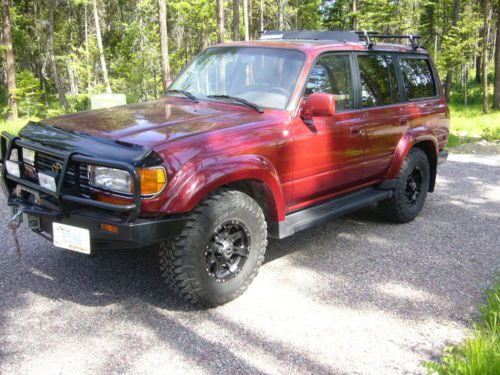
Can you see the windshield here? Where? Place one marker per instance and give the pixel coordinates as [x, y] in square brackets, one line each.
[264, 76]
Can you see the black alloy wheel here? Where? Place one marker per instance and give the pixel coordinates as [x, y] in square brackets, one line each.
[228, 250]
[414, 186]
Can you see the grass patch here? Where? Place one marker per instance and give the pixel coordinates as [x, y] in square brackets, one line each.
[470, 122]
[13, 127]
[480, 353]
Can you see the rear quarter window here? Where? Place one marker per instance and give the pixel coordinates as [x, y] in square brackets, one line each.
[418, 79]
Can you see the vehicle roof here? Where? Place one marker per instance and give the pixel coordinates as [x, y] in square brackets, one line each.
[312, 46]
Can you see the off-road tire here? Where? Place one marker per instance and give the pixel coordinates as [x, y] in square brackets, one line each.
[398, 208]
[183, 260]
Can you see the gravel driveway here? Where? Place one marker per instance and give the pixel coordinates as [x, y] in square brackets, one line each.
[356, 295]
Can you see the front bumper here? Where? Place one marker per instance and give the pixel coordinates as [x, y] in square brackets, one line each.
[141, 233]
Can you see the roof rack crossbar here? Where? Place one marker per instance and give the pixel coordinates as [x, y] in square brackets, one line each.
[369, 35]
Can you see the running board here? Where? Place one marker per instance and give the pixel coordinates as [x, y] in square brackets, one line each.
[331, 209]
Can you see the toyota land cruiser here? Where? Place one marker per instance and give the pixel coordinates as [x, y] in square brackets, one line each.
[252, 140]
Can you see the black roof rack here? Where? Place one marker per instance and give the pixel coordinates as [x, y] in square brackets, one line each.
[369, 35]
[338, 36]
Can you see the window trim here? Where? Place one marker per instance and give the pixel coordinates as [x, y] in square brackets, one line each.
[353, 79]
[358, 76]
[433, 72]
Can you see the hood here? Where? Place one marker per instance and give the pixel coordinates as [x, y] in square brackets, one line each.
[154, 123]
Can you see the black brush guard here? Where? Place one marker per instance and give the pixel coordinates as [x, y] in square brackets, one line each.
[8, 142]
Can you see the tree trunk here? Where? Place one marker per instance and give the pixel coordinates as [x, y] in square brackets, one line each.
[477, 64]
[104, 67]
[236, 19]
[52, 57]
[261, 16]
[354, 10]
[466, 82]
[220, 20]
[447, 84]
[281, 14]
[88, 67]
[251, 26]
[144, 83]
[9, 57]
[245, 16]
[165, 63]
[496, 95]
[485, 62]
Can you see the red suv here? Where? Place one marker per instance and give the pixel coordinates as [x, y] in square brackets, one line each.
[253, 140]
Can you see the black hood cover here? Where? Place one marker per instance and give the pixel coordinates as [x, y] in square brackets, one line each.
[89, 145]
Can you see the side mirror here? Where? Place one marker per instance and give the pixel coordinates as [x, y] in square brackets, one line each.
[318, 104]
[168, 83]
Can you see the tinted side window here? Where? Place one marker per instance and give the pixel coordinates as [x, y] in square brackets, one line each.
[417, 77]
[378, 80]
[332, 75]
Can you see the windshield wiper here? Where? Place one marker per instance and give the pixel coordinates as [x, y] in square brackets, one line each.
[257, 107]
[187, 94]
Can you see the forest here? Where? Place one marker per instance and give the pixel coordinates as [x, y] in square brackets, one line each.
[55, 54]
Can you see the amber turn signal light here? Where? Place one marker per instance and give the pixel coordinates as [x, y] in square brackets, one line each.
[153, 180]
[112, 200]
[109, 228]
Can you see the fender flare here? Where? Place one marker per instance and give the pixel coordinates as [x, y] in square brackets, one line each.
[406, 143]
[197, 183]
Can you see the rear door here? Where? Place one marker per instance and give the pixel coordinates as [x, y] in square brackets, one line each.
[424, 106]
[384, 120]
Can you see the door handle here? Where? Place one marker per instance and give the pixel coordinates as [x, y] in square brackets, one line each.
[357, 130]
[404, 121]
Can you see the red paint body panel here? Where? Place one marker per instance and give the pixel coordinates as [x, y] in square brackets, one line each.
[209, 144]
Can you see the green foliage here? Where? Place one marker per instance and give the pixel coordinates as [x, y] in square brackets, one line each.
[461, 41]
[480, 353]
[381, 15]
[29, 95]
[131, 42]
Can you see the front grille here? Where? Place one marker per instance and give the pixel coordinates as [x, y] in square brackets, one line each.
[75, 181]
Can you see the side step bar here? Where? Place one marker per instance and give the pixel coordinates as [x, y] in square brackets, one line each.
[308, 217]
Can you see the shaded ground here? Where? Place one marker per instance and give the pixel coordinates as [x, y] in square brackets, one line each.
[356, 295]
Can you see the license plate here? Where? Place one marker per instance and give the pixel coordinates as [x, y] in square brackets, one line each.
[71, 238]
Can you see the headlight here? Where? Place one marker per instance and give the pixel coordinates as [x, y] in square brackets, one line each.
[112, 179]
[153, 180]
[13, 168]
[14, 155]
[12, 165]
[28, 156]
[46, 181]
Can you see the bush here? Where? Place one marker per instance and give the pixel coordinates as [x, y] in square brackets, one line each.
[79, 103]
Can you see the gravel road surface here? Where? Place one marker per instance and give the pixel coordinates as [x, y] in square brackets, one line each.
[353, 296]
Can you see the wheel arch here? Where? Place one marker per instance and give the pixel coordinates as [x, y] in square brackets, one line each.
[427, 143]
[252, 175]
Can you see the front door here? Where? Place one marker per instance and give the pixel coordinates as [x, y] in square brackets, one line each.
[328, 151]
